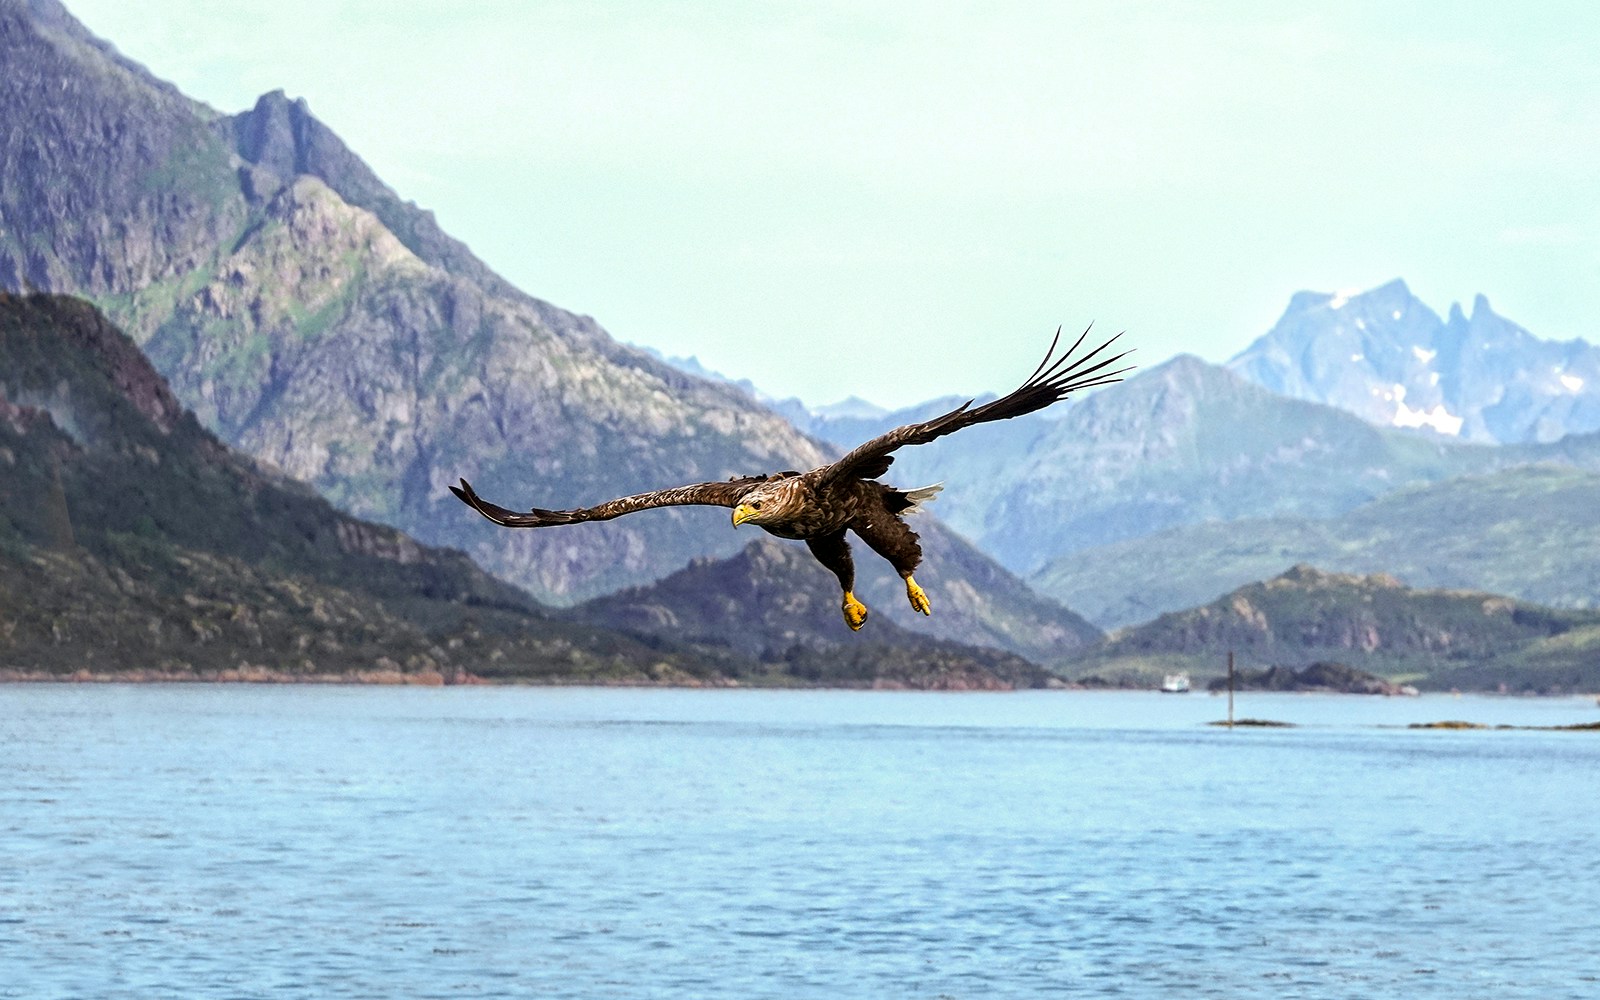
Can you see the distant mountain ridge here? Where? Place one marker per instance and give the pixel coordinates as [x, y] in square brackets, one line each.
[1391, 360]
[1191, 467]
[1527, 531]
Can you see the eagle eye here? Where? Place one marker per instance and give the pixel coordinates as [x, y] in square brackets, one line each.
[756, 505]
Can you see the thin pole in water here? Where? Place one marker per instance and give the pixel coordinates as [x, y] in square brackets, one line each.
[1230, 689]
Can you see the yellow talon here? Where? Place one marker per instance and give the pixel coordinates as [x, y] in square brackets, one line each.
[855, 613]
[918, 598]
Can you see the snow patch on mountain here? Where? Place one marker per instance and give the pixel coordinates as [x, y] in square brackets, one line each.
[1438, 418]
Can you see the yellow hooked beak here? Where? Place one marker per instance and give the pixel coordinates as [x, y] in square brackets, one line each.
[743, 513]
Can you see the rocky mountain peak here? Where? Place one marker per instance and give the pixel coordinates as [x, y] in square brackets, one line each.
[1387, 357]
[281, 135]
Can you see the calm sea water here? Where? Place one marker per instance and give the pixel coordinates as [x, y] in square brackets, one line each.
[204, 841]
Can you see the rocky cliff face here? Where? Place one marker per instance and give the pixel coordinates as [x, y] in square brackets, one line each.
[112, 181]
[321, 343]
[1391, 360]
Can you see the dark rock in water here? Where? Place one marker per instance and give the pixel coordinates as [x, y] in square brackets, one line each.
[1580, 727]
[1253, 724]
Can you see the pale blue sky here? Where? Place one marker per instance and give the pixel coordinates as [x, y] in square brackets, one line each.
[774, 187]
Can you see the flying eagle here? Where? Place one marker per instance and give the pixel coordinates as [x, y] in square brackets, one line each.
[819, 506]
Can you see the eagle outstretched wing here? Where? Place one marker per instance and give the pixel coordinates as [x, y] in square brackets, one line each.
[1049, 383]
[725, 494]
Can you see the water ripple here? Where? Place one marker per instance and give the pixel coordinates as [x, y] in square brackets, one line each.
[373, 843]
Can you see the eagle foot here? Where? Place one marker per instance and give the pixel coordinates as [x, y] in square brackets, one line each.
[918, 597]
[855, 613]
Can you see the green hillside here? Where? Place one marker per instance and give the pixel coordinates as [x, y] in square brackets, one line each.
[1433, 638]
[133, 542]
[1528, 532]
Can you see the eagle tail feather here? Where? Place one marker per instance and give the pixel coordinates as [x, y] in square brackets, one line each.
[914, 499]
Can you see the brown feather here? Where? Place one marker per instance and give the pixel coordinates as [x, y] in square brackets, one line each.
[726, 494]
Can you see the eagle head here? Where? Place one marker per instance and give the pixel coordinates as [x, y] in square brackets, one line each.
[769, 503]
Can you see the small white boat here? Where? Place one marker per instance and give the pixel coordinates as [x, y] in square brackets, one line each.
[1175, 684]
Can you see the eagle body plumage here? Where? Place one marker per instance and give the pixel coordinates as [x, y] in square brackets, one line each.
[820, 506]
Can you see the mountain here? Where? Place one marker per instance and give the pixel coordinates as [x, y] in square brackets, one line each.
[320, 323]
[1372, 623]
[1529, 532]
[775, 603]
[134, 543]
[1391, 360]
